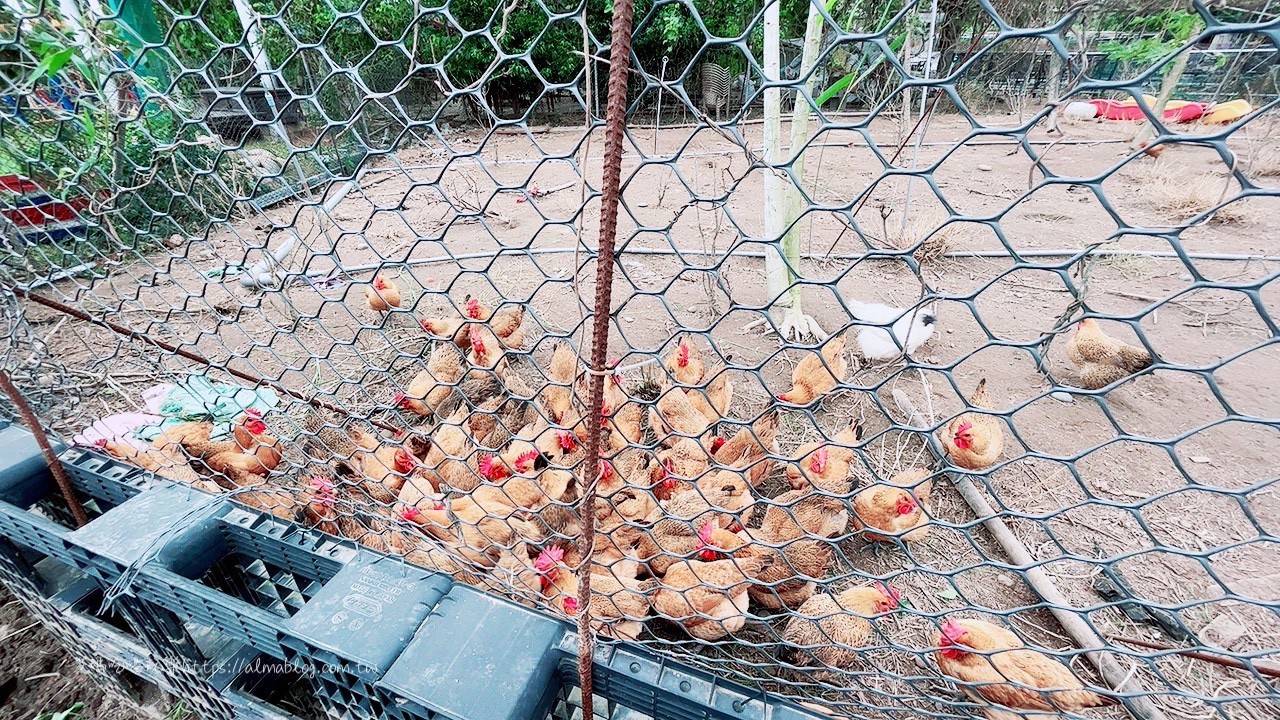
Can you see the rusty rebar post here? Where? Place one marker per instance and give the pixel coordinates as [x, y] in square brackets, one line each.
[46, 449]
[615, 123]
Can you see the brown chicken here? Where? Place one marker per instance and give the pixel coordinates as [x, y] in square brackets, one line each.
[506, 324]
[624, 501]
[525, 490]
[485, 351]
[432, 388]
[685, 364]
[1100, 358]
[713, 401]
[720, 497]
[826, 628]
[561, 448]
[557, 395]
[816, 375]
[192, 439]
[250, 434]
[824, 465]
[169, 463]
[455, 330]
[382, 294]
[749, 449]
[709, 599]
[472, 528]
[318, 504]
[450, 454]
[803, 513]
[994, 663]
[240, 468]
[973, 440]
[382, 472]
[619, 604]
[899, 508]
[673, 413]
[473, 309]
[793, 576]
[678, 467]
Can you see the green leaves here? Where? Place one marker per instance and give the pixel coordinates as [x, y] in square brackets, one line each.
[51, 63]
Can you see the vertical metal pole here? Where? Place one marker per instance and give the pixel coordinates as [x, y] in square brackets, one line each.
[50, 457]
[657, 118]
[611, 181]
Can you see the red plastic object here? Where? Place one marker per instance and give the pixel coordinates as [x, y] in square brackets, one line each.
[26, 205]
[1129, 110]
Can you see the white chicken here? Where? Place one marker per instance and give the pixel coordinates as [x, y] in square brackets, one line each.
[912, 328]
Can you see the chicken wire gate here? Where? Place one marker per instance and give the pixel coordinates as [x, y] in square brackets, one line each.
[1128, 520]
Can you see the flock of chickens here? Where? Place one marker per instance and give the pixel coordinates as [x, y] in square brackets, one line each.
[484, 486]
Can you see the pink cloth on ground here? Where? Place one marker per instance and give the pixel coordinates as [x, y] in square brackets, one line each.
[118, 428]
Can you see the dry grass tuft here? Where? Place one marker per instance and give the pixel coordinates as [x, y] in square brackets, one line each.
[927, 233]
[1184, 193]
[1264, 164]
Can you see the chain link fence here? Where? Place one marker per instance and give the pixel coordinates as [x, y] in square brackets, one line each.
[880, 373]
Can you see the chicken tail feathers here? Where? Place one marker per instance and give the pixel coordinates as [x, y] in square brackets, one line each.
[1134, 359]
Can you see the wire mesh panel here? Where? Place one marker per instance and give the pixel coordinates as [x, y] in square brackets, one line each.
[943, 333]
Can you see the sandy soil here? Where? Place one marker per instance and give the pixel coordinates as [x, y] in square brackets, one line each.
[37, 676]
[1170, 476]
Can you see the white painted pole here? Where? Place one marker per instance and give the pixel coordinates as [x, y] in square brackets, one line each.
[775, 189]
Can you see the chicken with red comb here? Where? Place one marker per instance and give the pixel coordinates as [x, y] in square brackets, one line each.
[974, 440]
[898, 508]
[994, 665]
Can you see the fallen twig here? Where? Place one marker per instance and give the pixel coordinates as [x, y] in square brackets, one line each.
[1263, 667]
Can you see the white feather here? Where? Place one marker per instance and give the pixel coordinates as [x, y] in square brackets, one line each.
[911, 329]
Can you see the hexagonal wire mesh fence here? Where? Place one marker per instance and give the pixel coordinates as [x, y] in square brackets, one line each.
[357, 241]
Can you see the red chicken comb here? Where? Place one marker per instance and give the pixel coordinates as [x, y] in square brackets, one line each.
[406, 459]
[571, 606]
[905, 505]
[411, 514]
[889, 592]
[100, 442]
[964, 427]
[704, 534]
[399, 398]
[952, 633]
[492, 469]
[818, 461]
[605, 469]
[717, 443]
[473, 308]
[253, 412]
[682, 357]
[526, 458]
[548, 558]
[566, 439]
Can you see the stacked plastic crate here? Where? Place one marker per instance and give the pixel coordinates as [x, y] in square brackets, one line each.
[240, 614]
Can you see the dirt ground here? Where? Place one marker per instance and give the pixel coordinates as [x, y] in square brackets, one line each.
[38, 678]
[1171, 475]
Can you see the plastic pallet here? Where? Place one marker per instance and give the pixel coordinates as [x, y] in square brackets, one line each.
[212, 586]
